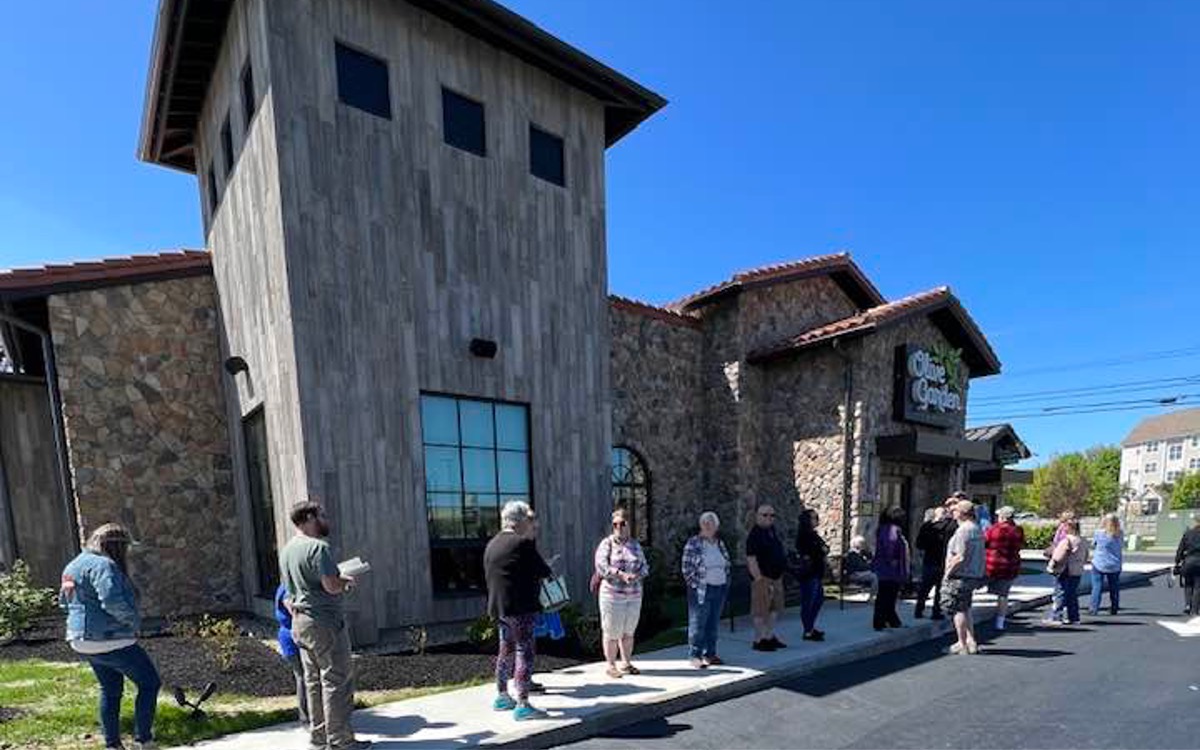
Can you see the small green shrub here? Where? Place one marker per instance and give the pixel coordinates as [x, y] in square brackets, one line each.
[1039, 537]
[418, 639]
[482, 631]
[22, 603]
[220, 637]
[584, 626]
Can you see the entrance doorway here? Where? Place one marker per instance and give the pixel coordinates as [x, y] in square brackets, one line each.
[896, 492]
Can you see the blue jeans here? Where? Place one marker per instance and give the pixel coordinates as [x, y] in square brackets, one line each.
[703, 620]
[812, 596]
[111, 669]
[1114, 590]
[1070, 596]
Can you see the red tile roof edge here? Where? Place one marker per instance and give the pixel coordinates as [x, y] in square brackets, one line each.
[777, 272]
[653, 311]
[881, 314]
[104, 272]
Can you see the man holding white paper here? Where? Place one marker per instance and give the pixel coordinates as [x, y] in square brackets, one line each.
[315, 585]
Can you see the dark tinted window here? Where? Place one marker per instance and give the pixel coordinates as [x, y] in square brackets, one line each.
[258, 470]
[462, 123]
[546, 156]
[476, 459]
[212, 192]
[249, 101]
[363, 82]
[227, 147]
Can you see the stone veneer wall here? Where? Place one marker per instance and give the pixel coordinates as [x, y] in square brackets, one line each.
[656, 398]
[139, 372]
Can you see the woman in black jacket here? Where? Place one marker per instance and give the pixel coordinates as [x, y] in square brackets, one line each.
[1187, 564]
[811, 551]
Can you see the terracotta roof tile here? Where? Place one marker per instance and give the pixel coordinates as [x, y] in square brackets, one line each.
[869, 320]
[778, 272]
[660, 313]
[57, 277]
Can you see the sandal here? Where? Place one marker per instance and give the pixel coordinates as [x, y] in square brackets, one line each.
[614, 673]
[630, 669]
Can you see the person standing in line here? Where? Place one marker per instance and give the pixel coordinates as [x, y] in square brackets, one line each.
[890, 567]
[965, 571]
[316, 588]
[811, 554]
[514, 570]
[857, 563]
[1187, 563]
[290, 651]
[932, 538]
[706, 565]
[1066, 564]
[1060, 533]
[1107, 559]
[102, 626]
[1003, 541]
[766, 560]
[620, 566]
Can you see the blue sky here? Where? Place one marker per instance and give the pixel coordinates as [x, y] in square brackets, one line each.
[1038, 157]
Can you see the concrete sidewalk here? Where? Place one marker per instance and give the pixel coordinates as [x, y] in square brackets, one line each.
[584, 702]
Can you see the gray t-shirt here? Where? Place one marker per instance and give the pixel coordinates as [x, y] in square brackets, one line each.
[968, 542]
[301, 564]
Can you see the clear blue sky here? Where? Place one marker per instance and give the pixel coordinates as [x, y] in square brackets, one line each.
[1039, 157]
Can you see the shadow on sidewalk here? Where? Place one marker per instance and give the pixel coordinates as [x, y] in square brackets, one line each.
[591, 691]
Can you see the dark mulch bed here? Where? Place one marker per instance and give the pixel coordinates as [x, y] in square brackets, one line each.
[259, 671]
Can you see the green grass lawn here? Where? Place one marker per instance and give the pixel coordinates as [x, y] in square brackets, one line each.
[59, 704]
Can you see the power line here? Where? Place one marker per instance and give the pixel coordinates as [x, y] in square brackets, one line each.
[1097, 410]
[1190, 351]
[1126, 386]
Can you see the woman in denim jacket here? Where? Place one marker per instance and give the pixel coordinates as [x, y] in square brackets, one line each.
[102, 625]
[706, 576]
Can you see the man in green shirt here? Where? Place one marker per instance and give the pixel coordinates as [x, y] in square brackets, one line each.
[315, 588]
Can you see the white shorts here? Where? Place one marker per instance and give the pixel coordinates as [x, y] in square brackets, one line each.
[619, 617]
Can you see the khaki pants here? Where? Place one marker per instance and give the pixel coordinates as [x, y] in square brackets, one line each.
[329, 679]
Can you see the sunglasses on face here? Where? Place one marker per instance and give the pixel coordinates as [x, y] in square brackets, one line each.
[768, 515]
[619, 523]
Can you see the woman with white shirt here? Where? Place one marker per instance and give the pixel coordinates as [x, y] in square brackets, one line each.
[102, 627]
[706, 576]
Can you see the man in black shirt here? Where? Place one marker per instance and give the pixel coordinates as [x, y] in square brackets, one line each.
[766, 561]
[932, 539]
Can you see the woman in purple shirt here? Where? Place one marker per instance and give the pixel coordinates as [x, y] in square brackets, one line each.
[890, 567]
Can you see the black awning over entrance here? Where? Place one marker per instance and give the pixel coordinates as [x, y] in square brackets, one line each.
[996, 475]
[927, 447]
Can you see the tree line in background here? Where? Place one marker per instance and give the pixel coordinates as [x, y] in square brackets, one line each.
[1089, 483]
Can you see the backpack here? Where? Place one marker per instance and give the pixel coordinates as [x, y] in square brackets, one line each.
[597, 579]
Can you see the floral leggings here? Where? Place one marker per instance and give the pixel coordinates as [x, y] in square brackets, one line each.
[516, 654]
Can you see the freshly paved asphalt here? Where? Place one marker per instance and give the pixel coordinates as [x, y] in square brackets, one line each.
[1113, 682]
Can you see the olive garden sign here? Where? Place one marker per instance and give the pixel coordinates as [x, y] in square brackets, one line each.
[930, 385]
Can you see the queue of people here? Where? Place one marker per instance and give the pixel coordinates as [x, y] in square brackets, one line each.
[959, 558]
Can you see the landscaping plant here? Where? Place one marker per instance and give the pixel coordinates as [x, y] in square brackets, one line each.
[220, 636]
[22, 603]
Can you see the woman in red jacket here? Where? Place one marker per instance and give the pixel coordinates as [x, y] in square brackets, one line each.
[1003, 542]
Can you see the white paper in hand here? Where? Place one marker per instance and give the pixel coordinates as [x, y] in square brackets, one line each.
[353, 567]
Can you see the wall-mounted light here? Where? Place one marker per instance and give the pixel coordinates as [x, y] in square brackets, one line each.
[234, 365]
[485, 348]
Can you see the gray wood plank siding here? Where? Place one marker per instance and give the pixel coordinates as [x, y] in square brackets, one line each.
[358, 256]
[41, 532]
[245, 235]
[402, 248]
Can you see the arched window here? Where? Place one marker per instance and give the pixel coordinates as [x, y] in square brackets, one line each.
[631, 490]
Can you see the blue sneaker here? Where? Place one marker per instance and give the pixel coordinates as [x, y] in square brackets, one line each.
[529, 713]
[504, 702]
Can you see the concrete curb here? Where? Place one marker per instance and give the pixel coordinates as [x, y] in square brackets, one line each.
[686, 699]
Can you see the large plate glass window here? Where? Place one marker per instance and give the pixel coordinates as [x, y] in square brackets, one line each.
[476, 459]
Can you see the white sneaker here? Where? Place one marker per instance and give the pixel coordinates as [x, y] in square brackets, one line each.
[145, 745]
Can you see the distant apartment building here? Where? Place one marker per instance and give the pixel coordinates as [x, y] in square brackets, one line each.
[1160, 450]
